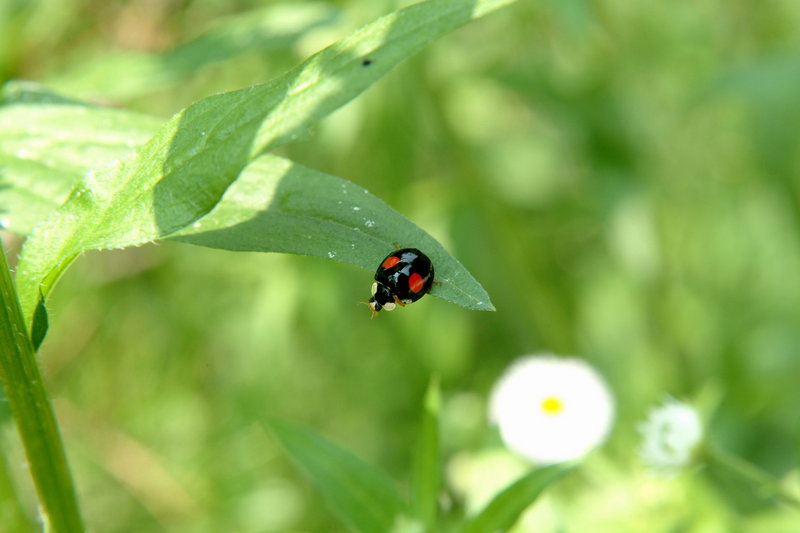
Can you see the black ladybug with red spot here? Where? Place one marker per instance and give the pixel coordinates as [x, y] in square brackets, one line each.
[403, 277]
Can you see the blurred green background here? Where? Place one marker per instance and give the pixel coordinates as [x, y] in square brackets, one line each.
[622, 177]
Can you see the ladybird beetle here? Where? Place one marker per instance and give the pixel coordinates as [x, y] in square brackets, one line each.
[403, 277]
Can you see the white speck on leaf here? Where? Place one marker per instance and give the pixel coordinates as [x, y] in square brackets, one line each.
[369, 223]
[331, 255]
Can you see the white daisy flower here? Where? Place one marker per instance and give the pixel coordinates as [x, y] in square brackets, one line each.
[670, 436]
[551, 409]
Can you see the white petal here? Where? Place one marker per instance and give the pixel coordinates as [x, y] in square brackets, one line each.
[542, 436]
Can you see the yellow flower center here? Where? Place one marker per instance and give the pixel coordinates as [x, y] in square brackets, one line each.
[552, 406]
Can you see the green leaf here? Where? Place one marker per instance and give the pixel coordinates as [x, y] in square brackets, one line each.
[48, 143]
[362, 496]
[40, 325]
[427, 461]
[505, 509]
[29, 192]
[38, 429]
[125, 74]
[280, 206]
[67, 136]
[31, 92]
[182, 172]
[241, 221]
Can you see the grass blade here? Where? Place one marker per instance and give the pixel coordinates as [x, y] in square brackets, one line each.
[505, 509]
[359, 494]
[427, 461]
[34, 415]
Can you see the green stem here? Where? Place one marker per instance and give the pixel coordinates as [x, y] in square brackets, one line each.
[766, 484]
[34, 415]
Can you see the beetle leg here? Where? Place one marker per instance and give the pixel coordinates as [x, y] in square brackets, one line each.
[374, 312]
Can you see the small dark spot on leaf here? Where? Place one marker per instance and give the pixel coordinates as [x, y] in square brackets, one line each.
[366, 62]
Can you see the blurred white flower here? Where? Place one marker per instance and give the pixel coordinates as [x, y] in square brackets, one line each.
[670, 436]
[551, 409]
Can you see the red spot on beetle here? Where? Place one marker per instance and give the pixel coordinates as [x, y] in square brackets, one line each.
[415, 282]
[390, 261]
